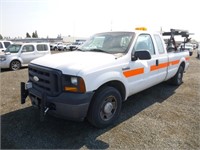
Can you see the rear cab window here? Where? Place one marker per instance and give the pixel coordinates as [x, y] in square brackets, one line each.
[159, 44]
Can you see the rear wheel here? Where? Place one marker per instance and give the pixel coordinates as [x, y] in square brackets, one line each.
[105, 107]
[15, 65]
[178, 78]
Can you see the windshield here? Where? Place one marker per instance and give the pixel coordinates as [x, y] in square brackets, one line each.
[13, 48]
[110, 42]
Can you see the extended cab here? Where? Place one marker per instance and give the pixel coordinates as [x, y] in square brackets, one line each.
[93, 81]
[20, 54]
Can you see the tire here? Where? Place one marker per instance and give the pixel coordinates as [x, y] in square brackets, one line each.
[178, 78]
[105, 107]
[15, 65]
[55, 48]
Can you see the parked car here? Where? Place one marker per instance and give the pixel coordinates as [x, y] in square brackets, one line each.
[75, 45]
[63, 47]
[186, 46]
[18, 55]
[54, 46]
[4, 45]
[198, 51]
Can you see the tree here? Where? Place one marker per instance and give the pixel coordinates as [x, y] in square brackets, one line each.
[34, 34]
[1, 37]
[28, 35]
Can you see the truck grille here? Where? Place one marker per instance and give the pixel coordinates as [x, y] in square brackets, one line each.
[49, 79]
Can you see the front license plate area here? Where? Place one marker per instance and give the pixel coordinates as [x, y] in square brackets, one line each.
[35, 101]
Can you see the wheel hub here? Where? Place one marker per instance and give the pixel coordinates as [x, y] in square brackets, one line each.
[108, 107]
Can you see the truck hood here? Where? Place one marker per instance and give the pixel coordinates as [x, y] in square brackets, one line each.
[73, 62]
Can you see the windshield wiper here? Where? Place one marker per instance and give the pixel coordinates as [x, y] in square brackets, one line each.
[97, 50]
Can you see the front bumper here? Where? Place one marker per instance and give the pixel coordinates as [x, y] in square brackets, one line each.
[72, 106]
[4, 64]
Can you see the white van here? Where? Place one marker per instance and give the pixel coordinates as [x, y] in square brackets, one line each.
[198, 51]
[18, 55]
[4, 45]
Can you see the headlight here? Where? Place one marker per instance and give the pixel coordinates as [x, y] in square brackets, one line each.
[2, 58]
[73, 84]
[74, 80]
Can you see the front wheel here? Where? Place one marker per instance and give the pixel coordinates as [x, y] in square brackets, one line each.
[178, 78]
[15, 65]
[105, 107]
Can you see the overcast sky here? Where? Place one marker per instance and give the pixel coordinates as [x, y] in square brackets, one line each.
[85, 17]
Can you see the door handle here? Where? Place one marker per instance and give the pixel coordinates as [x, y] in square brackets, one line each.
[157, 62]
[126, 68]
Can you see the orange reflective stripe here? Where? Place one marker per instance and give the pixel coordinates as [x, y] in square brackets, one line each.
[134, 72]
[163, 65]
[174, 62]
[152, 68]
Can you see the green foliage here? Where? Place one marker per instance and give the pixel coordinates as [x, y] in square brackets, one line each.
[28, 35]
[34, 34]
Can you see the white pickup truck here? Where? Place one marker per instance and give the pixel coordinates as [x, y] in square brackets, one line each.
[93, 81]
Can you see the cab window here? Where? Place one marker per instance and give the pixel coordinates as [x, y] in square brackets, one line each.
[159, 44]
[28, 48]
[144, 42]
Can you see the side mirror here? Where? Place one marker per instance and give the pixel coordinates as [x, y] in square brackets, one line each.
[142, 55]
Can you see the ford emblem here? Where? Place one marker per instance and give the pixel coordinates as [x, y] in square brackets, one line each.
[35, 78]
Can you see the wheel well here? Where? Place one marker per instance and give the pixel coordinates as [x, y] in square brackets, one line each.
[183, 65]
[116, 84]
[15, 60]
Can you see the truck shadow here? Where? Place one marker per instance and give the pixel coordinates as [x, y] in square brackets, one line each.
[22, 128]
[9, 70]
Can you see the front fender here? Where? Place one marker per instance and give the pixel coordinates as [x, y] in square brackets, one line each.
[15, 58]
[93, 82]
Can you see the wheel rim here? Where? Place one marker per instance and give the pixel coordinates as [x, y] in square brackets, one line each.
[108, 108]
[15, 65]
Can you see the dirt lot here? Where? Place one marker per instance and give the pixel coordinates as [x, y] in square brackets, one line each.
[162, 117]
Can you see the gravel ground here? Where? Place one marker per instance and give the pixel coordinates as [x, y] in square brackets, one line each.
[161, 117]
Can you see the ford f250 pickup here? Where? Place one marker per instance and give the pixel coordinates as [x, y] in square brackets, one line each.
[93, 81]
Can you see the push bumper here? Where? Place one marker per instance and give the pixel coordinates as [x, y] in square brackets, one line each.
[72, 106]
